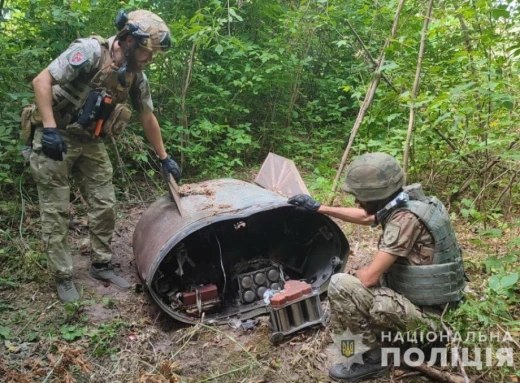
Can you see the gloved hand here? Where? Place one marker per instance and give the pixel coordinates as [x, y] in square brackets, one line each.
[169, 166]
[305, 201]
[53, 145]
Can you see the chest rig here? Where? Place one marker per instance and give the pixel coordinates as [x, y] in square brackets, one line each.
[69, 99]
[443, 281]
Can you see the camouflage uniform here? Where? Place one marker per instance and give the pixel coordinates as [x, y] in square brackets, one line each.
[369, 311]
[86, 160]
[375, 177]
[427, 270]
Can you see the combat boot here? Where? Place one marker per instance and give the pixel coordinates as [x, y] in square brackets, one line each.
[66, 290]
[105, 272]
[372, 368]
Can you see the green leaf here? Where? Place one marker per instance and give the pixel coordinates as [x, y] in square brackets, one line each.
[391, 65]
[234, 14]
[514, 242]
[5, 332]
[72, 332]
[494, 283]
[508, 104]
[509, 280]
[500, 11]
[492, 233]
[461, 88]
[492, 263]
[219, 49]
[33, 336]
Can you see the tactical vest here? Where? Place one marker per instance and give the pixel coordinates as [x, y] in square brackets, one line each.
[70, 97]
[443, 281]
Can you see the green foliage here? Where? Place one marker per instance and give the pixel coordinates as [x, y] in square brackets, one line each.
[72, 332]
[5, 333]
[500, 295]
[20, 259]
[243, 79]
[102, 338]
[246, 78]
[109, 303]
[504, 284]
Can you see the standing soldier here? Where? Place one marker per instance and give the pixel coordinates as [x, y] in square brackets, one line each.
[418, 256]
[80, 101]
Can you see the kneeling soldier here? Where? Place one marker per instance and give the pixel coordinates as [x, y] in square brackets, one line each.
[418, 260]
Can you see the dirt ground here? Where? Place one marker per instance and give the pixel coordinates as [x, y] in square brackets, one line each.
[122, 336]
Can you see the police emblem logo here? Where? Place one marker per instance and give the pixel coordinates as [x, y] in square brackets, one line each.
[347, 348]
[77, 57]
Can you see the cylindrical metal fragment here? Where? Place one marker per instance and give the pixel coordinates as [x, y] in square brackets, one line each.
[283, 319]
[273, 275]
[312, 309]
[274, 322]
[260, 278]
[297, 314]
[275, 286]
[249, 296]
[260, 292]
[247, 282]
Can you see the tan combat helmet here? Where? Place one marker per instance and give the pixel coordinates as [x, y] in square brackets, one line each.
[373, 177]
[148, 29]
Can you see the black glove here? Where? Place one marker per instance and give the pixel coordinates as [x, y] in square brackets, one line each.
[305, 201]
[53, 145]
[169, 166]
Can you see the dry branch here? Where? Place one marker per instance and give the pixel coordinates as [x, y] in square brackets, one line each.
[415, 88]
[450, 144]
[367, 101]
[508, 187]
[370, 57]
[495, 160]
[455, 347]
[467, 159]
[438, 375]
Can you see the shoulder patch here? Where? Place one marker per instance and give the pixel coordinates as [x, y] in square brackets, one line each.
[77, 57]
[391, 234]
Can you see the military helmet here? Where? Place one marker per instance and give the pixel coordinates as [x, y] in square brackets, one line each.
[148, 29]
[373, 177]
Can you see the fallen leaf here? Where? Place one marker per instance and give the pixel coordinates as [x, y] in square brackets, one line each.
[68, 378]
[52, 358]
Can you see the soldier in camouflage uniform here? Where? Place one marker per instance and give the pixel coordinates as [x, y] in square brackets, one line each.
[417, 269]
[80, 101]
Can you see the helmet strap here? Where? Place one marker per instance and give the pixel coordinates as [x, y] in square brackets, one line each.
[121, 72]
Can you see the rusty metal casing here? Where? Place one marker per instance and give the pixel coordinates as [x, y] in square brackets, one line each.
[161, 228]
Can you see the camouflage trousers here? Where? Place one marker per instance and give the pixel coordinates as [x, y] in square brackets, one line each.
[371, 311]
[88, 163]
